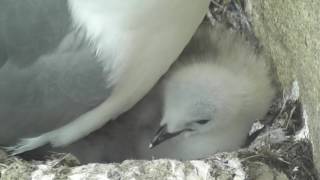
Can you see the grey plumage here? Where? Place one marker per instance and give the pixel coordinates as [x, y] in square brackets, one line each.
[48, 75]
[52, 90]
[31, 28]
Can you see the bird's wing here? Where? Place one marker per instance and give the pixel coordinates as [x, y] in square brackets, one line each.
[31, 28]
[48, 73]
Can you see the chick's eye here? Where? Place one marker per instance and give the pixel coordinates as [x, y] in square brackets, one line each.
[202, 121]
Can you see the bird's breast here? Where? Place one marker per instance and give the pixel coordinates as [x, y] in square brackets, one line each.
[149, 33]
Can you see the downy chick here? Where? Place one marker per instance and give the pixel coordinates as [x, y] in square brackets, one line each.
[212, 98]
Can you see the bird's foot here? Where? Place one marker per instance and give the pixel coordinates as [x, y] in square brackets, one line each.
[27, 144]
[56, 138]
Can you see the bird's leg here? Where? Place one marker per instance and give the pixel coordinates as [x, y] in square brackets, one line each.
[71, 132]
[125, 95]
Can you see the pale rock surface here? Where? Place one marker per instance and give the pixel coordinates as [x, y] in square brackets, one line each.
[289, 33]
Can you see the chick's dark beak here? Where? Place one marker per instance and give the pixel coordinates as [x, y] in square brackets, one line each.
[161, 135]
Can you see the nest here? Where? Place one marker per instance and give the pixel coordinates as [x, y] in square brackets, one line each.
[279, 141]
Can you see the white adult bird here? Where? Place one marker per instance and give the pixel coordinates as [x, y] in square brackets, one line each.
[212, 100]
[136, 42]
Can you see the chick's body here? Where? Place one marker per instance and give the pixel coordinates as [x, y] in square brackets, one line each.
[214, 95]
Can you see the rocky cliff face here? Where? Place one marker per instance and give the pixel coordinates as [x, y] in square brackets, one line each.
[290, 34]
